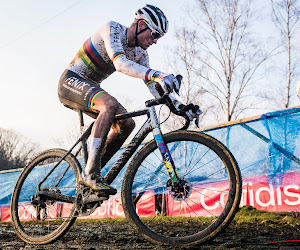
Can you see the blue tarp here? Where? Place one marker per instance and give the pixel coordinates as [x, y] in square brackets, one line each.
[266, 146]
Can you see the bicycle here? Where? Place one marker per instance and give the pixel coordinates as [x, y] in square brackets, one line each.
[193, 178]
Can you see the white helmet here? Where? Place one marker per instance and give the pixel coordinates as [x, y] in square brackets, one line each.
[154, 17]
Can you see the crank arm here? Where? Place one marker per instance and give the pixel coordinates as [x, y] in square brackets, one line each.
[57, 196]
[93, 198]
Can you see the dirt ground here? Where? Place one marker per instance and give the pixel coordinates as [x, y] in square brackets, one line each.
[250, 235]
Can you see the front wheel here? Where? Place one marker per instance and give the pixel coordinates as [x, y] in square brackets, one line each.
[199, 208]
[43, 200]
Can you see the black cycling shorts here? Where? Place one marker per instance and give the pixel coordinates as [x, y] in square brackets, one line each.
[78, 93]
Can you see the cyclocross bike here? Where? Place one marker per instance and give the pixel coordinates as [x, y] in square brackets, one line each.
[188, 181]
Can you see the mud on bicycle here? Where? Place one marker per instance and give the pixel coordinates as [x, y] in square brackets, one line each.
[188, 171]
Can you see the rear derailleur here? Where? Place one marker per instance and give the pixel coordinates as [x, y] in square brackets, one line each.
[46, 197]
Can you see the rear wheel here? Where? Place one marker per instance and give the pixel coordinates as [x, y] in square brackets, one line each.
[42, 214]
[197, 208]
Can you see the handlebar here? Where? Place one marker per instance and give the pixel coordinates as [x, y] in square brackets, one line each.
[165, 99]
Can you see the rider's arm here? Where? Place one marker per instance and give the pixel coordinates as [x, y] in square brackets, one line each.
[190, 110]
[154, 92]
[144, 60]
[112, 35]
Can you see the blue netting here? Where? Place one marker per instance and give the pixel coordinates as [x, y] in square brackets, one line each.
[268, 146]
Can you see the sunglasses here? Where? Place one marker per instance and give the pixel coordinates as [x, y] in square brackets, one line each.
[155, 35]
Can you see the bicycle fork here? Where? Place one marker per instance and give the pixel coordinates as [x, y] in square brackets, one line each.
[163, 148]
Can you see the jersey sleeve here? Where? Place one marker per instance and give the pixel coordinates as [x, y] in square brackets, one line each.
[150, 83]
[144, 60]
[112, 40]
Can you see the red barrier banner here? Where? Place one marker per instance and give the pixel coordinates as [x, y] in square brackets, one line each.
[113, 208]
[273, 198]
[205, 201]
[5, 214]
[28, 212]
[257, 192]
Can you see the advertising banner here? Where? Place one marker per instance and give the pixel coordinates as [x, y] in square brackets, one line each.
[267, 149]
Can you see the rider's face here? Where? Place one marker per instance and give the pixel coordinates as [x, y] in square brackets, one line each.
[145, 38]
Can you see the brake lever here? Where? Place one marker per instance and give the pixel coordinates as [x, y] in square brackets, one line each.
[199, 112]
[197, 121]
[179, 79]
[187, 123]
[182, 114]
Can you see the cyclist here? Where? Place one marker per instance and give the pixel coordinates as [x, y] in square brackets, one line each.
[114, 47]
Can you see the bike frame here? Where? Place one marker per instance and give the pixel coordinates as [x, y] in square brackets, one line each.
[151, 124]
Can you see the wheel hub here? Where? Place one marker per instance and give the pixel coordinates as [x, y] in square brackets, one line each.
[180, 190]
[42, 200]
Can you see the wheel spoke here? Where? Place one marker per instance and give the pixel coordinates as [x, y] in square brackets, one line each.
[36, 215]
[193, 204]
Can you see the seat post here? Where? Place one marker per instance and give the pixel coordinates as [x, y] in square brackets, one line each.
[81, 120]
[83, 142]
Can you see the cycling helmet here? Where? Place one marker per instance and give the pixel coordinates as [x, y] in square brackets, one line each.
[154, 17]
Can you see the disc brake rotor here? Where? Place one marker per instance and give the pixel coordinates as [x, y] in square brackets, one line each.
[181, 190]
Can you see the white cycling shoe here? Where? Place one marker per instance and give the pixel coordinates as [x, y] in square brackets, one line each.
[97, 183]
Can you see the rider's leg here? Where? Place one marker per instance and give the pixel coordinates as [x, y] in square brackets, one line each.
[107, 106]
[79, 93]
[120, 131]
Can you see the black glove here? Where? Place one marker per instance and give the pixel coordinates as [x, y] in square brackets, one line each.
[191, 110]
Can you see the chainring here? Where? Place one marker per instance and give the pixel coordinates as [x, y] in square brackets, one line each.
[87, 208]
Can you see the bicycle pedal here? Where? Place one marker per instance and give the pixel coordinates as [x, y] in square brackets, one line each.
[101, 193]
[93, 198]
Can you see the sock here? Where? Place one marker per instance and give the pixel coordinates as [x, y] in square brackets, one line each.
[93, 165]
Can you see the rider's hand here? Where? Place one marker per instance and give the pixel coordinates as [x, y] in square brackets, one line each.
[191, 110]
[298, 89]
[168, 83]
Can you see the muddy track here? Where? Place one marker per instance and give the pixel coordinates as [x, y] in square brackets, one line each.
[121, 236]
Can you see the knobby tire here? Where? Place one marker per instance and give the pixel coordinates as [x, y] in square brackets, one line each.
[27, 219]
[203, 162]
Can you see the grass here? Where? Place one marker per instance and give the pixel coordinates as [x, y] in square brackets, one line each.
[246, 214]
[101, 221]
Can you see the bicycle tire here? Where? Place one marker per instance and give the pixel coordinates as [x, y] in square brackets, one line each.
[32, 223]
[200, 223]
